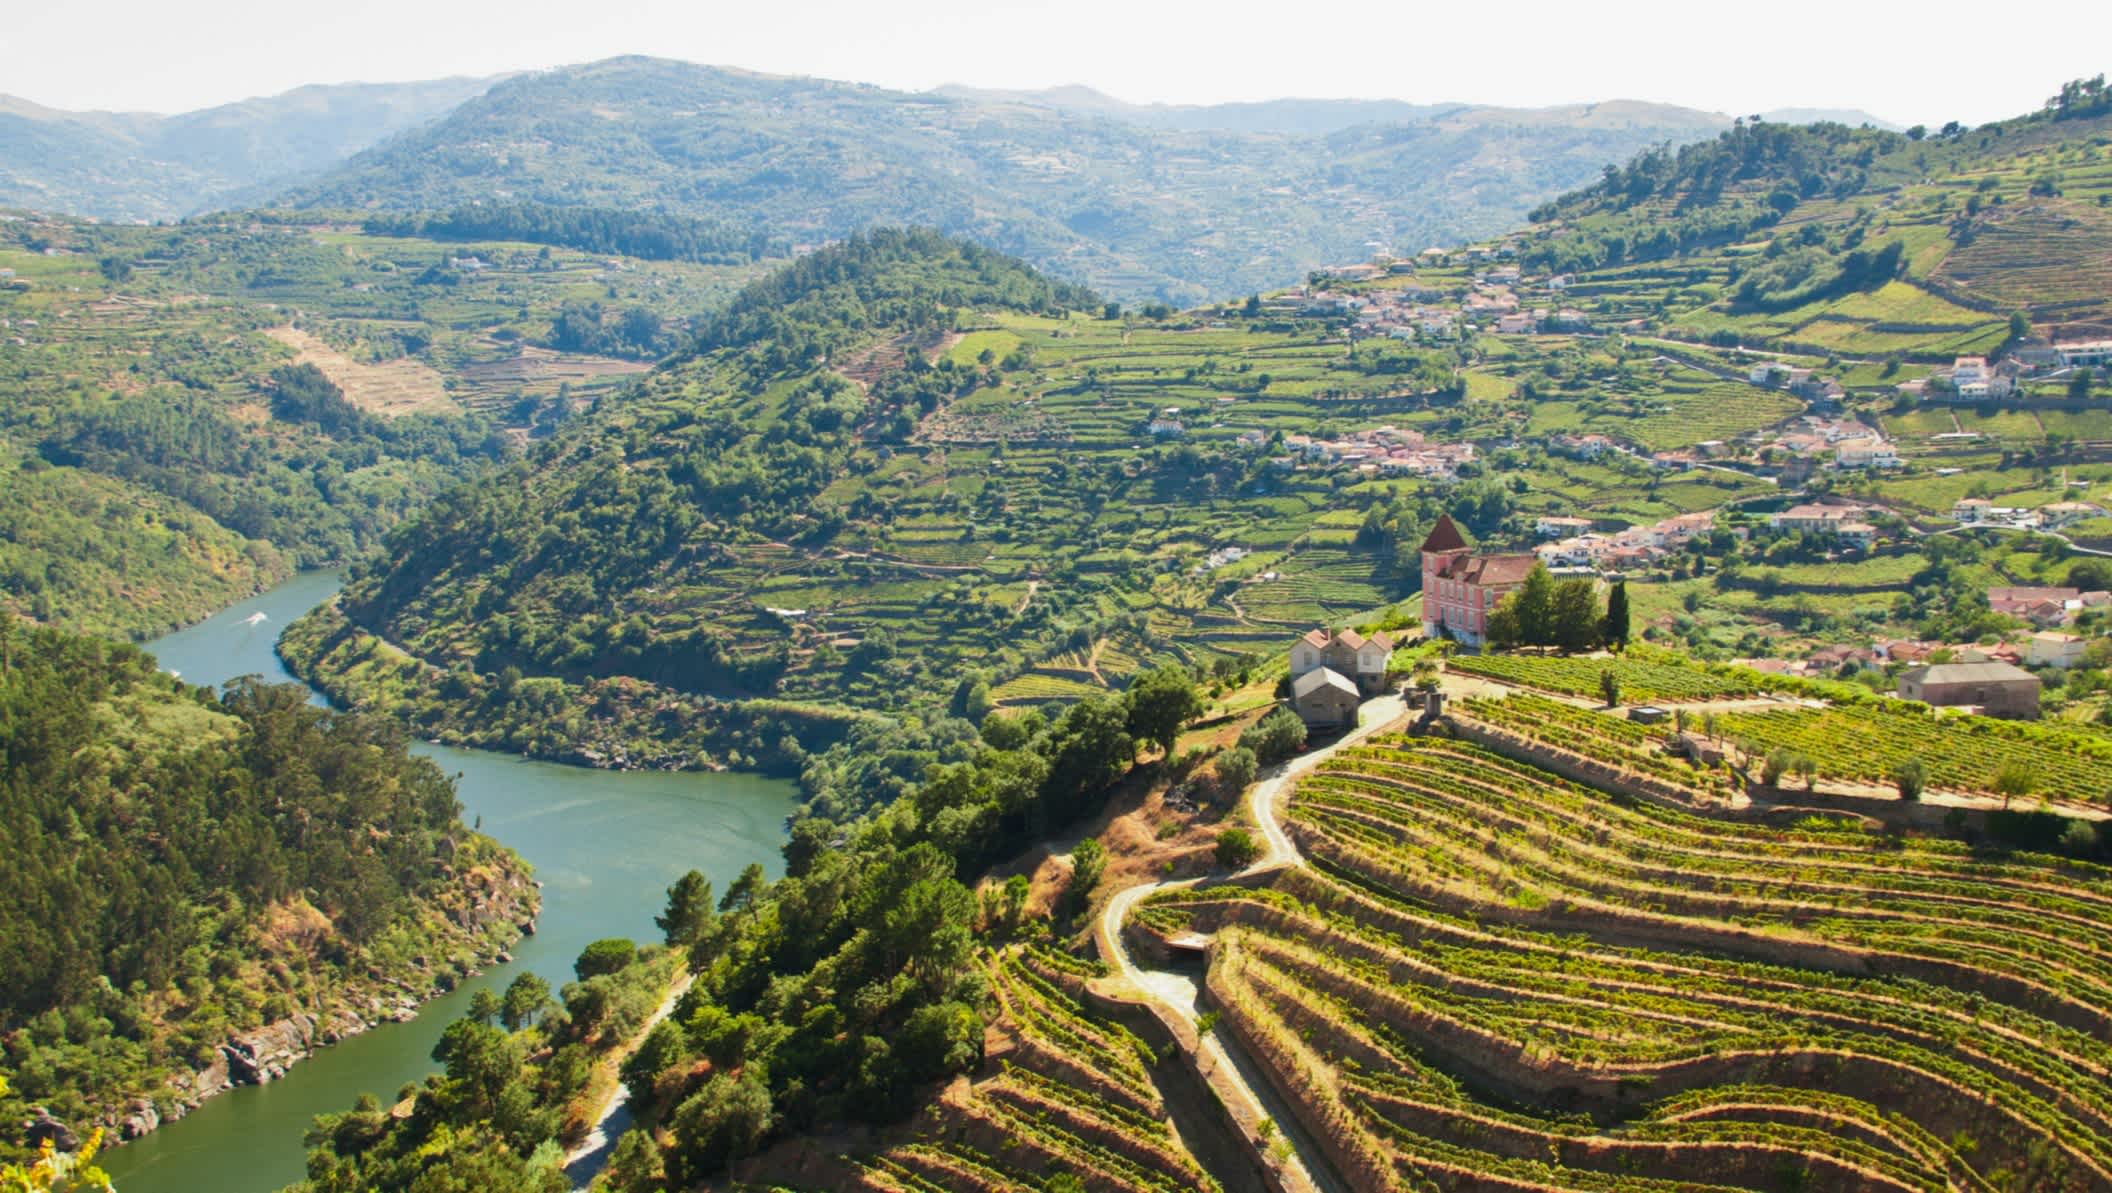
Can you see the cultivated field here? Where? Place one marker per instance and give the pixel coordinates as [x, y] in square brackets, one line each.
[1487, 977]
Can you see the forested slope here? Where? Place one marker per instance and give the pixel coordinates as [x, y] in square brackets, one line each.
[182, 868]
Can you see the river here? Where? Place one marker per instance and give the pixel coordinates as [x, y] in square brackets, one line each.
[605, 845]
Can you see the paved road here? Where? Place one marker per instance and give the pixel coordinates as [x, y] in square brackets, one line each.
[591, 1155]
[1178, 991]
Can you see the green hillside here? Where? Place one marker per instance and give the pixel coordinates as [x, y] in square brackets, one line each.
[183, 867]
[161, 469]
[907, 513]
[908, 475]
[1139, 211]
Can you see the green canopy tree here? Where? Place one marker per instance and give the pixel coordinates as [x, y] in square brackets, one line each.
[1160, 702]
[689, 912]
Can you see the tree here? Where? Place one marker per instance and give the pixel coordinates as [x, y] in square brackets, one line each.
[2019, 326]
[1502, 628]
[931, 930]
[1574, 622]
[1616, 631]
[1806, 769]
[1088, 862]
[723, 1121]
[689, 914]
[939, 1040]
[745, 889]
[1159, 703]
[1536, 607]
[1017, 891]
[1236, 849]
[2079, 386]
[1777, 764]
[527, 997]
[1236, 768]
[1275, 737]
[608, 955]
[1910, 776]
[1610, 687]
[484, 1006]
[2014, 779]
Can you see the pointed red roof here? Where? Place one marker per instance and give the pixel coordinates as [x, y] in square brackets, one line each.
[1444, 537]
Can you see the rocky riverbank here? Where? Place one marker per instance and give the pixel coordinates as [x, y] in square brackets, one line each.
[476, 917]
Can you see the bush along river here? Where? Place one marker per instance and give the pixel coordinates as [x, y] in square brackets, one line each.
[605, 845]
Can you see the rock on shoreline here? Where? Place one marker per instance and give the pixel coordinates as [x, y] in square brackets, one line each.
[488, 916]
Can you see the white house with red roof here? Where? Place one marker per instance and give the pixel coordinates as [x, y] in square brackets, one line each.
[1361, 660]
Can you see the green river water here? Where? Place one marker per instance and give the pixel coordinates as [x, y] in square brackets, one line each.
[604, 844]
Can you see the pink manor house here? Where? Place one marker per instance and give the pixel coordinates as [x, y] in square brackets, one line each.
[1460, 587]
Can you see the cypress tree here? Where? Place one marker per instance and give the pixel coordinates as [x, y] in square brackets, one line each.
[1617, 616]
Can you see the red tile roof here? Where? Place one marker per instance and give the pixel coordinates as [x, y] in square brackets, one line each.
[1444, 536]
[1490, 570]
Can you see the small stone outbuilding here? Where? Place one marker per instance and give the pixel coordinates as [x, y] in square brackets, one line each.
[1325, 698]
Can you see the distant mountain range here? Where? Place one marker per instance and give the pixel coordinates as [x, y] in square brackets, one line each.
[1179, 203]
[137, 165]
[1323, 116]
[1091, 192]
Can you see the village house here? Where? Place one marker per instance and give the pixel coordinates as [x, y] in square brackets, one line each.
[1860, 535]
[1814, 519]
[2052, 649]
[2020, 600]
[1865, 453]
[1361, 272]
[2067, 513]
[1460, 587]
[1971, 510]
[1995, 688]
[1971, 378]
[1333, 671]
[1363, 660]
[2092, 354]
[1583, 447]
[1550, 526]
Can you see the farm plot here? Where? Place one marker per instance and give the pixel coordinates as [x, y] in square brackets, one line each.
[1639, 679]
[1487, 977]
[397, 387]
[1961, 753]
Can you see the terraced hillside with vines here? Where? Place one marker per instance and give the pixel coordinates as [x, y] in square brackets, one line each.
[1486, 976]
[1063, 1091]
[921, 478]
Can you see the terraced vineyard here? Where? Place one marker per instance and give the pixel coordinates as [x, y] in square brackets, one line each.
[1486, 977]
[1073, 1093]
[1963, 753]
[1640, 678]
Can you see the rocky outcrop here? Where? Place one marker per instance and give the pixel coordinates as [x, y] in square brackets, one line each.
[260, 1056]
[42, 1126]
[478, 915]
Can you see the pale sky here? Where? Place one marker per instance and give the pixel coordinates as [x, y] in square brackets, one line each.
[1903, 61]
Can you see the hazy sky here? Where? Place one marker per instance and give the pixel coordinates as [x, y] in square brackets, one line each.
[1910, 62]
